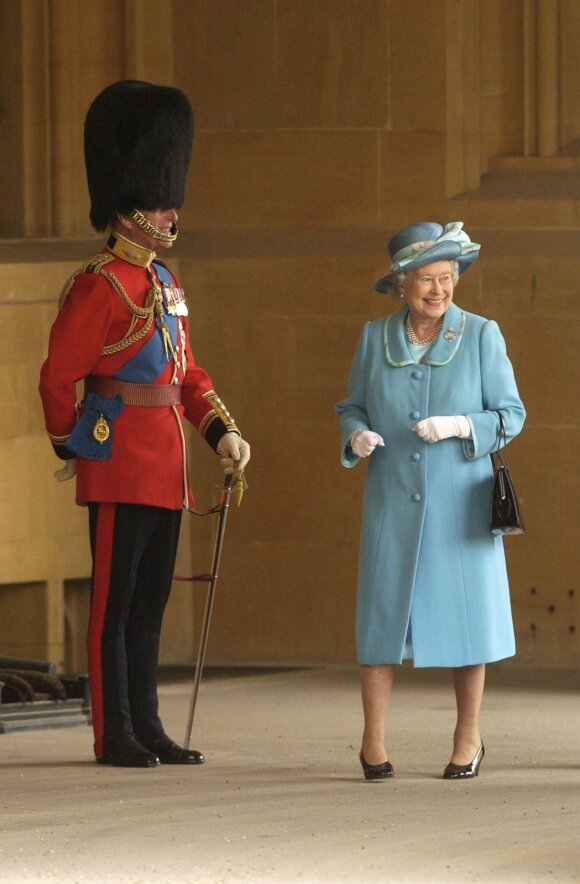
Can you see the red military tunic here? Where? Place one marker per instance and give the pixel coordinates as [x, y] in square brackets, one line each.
[99, 332]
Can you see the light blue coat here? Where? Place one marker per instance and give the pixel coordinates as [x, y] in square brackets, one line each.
[432, 578]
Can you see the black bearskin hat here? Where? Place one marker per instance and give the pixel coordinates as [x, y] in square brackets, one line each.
[138, 139]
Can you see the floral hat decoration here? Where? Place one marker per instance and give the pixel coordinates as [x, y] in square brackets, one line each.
[424, 243]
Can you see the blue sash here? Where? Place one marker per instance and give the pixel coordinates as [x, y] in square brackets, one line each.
[146, 365]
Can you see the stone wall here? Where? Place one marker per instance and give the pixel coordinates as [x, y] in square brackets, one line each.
[322, 127]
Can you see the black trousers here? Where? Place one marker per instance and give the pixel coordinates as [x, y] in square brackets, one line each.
[133, 549]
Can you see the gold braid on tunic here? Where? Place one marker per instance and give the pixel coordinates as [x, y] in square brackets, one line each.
[147, 312]
[153, 307]
[220, 411]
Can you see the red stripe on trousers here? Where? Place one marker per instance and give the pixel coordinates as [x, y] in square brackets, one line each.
[101, 584]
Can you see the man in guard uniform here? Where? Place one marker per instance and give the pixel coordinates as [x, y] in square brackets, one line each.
[122, 327]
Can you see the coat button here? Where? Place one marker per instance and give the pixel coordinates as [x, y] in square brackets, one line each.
[417, 375]
[415, 415]
[415, 456]
[417, 498]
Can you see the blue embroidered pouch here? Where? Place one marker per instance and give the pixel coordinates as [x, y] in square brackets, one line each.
[92, 438]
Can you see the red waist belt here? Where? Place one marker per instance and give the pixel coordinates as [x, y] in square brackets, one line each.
[134, 394]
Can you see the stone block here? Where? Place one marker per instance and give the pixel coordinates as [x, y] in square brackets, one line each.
[226, 62]
[325, 52]
[417, 74]
[299, 586]
[412, 184]
[284, 180]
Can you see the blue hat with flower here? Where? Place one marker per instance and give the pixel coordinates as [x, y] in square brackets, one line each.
[424, 243]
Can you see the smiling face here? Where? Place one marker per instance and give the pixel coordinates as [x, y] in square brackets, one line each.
[428, 291]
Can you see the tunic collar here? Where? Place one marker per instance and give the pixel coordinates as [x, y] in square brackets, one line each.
[444, 347]
[129, 251]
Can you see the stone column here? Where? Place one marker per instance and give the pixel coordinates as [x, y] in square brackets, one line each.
[547, 77]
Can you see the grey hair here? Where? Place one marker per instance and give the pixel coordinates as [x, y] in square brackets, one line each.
[400, 278]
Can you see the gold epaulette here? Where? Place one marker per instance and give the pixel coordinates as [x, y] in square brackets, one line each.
[92, 266]
[95, 264]
[219, 410]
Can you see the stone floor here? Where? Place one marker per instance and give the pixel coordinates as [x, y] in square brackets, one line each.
[281, 797]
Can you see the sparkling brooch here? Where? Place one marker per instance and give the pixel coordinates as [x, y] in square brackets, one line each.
[450, 335]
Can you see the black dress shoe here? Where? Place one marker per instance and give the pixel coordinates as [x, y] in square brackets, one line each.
[376, 771]
[128, 753]
[169, 752]
[465, 771]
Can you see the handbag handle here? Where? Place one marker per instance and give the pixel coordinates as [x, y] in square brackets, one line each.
[502, 436]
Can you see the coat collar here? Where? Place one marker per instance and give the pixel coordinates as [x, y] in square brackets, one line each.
[128, 250]
[444, 347]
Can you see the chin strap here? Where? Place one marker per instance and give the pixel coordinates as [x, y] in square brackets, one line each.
[142, 222]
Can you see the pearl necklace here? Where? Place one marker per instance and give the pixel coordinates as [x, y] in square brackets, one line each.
[412, 337]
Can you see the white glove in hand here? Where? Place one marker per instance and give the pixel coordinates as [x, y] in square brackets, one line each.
[364, 442]
[67, 472]
[235, 452]
[433, 429]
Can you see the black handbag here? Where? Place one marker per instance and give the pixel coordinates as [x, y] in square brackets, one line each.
[504, 510]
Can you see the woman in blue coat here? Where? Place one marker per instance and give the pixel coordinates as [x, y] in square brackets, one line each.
[425, 392]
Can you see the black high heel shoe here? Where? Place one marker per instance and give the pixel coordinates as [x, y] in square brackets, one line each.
[376, 771]
[465, 771]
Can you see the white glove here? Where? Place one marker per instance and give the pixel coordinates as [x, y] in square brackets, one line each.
[364, 442]
[67, 472]
[433, 429]
[235, 452]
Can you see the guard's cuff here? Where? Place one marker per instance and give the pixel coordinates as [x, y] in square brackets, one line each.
[62, 451]
[59, 445]
[217, 422]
